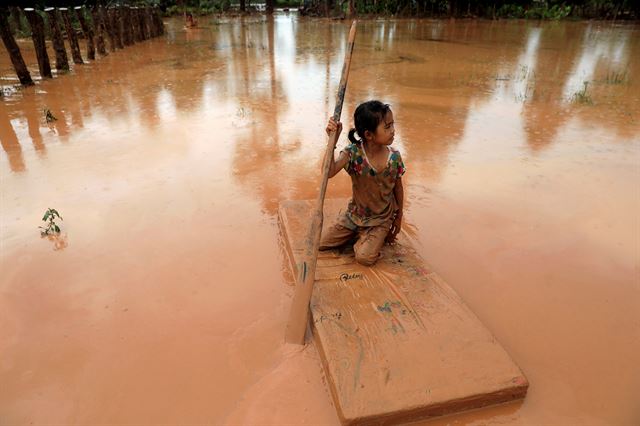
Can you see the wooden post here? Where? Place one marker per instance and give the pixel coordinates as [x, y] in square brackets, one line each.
[62, 62]
[37, 35]
[299, 314]
[143, 24]
[98, 26]
[71, 36]
[104, 13]
[14, 51]
[88, 33]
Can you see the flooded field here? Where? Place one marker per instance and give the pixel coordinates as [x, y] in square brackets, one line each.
[165, 298]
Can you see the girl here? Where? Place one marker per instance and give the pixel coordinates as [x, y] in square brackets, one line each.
[374, 213]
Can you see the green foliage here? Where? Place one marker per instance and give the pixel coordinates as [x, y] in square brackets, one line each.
[49, 218]
[538, 10]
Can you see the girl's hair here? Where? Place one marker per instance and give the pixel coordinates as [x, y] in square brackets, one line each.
[367, 117]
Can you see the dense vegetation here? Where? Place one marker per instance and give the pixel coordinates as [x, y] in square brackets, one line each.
[531, 9]
[493, 9]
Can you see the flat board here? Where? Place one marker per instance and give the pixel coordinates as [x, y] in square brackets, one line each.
[396, 342]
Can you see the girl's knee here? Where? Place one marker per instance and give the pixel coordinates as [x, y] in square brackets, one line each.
[366, 259]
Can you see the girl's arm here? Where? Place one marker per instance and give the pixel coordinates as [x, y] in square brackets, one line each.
[398, 192]
[343, 157]
[338, 164]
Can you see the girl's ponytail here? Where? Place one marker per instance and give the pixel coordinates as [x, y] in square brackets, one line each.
[352, 136]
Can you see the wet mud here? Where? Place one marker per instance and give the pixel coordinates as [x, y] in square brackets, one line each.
[164, 299]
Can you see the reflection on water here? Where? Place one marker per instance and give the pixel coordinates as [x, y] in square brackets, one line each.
[169, 159]
[436, 72]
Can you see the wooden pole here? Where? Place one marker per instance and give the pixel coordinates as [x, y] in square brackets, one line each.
[299, 314]
[14, 51]
[88, 33]
[37, 35]
[71, 36]
[62, 62]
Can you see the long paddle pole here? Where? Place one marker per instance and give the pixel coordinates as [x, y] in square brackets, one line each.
[299, 315]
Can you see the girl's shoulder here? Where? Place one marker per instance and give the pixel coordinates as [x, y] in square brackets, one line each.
[394, 154]
[353, 147]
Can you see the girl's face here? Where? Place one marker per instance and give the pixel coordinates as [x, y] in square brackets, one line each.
[385, 131]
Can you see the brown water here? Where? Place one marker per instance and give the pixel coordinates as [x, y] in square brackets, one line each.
[165, 298]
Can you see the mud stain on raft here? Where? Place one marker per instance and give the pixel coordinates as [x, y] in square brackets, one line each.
[168, 301]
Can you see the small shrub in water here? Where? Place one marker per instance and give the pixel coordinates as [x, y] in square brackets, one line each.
[49, 116]
[49, 218]
[581, 96]
[615, 77]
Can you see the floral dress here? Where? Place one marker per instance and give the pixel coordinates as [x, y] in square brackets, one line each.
[373, 202]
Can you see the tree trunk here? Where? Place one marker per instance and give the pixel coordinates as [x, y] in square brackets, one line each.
[352, 8]
[269, 7]
[242, 6]
[115, 27]
[159, 24]
[62, 62]
[106, 18]
[120, 27]
[133, 24]
[143, 27]
[15, 15]
[126, 23]
[148, 18]
[71, 36]
[98, 26]
[13, 49]
[37, 35]
[88, 33]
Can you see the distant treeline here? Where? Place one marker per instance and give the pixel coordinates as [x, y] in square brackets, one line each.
[492, 9]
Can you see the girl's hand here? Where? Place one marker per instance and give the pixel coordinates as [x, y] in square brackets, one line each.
[332, 126]
[395, 228]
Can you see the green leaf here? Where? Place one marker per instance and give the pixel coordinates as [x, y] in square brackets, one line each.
[57, 228]
[46, 215]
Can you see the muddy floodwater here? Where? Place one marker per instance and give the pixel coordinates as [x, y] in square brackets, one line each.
[165, 297]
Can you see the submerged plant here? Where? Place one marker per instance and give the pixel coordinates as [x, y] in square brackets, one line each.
[49, 116]
[49, 218]
[615, 77]
[581, 96]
